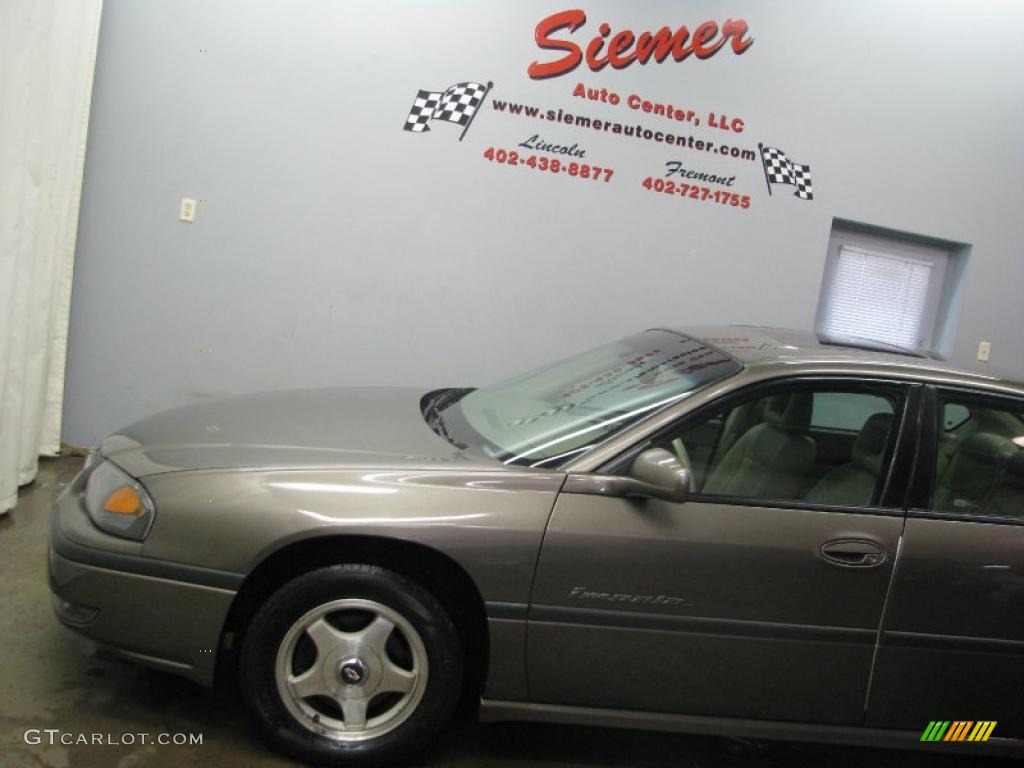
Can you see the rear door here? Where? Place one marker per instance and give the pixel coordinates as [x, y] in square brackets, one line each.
[760, 596]
[952, 645]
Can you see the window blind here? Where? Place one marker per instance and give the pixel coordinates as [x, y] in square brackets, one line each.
[878, 296]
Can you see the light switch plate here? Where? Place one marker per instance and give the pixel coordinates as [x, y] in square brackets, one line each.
[984, 350]
[187, 212]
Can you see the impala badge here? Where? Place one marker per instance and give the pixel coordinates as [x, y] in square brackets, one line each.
[582, 593]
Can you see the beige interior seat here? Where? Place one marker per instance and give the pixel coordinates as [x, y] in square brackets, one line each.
[982, 420]
[771, 460]
[972, 473]
[1007, 498]
[854, 483]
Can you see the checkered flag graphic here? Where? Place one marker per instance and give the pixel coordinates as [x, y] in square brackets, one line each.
[456, 105]
[779, 169]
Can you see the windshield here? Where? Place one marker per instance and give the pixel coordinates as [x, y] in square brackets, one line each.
[551, 415]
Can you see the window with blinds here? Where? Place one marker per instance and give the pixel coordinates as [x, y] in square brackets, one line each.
[879, 297]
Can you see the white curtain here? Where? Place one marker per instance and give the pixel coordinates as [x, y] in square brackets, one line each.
[47, 59]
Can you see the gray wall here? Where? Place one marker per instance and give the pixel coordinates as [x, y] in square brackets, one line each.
[339, 249]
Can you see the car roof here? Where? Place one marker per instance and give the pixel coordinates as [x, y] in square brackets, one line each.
[759, 347]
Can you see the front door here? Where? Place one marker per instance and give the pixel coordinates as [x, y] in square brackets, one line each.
[760, 596]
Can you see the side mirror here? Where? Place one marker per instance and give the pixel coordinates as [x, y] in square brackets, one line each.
[654, 474]
[663, 475]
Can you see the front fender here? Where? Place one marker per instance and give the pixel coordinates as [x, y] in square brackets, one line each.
[490, 522]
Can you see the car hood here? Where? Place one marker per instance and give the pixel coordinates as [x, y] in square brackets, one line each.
[335, 427]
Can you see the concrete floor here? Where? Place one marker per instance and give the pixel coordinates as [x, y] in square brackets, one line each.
[46, 681]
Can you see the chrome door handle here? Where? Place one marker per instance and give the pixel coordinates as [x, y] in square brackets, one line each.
[853, 553]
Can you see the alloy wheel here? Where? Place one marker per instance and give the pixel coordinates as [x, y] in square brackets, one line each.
[351, 669]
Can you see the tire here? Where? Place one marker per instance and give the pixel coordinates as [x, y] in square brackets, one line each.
[351, 665]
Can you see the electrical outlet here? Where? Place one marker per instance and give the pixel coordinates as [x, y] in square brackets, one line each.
[984, 350]
[187, 212]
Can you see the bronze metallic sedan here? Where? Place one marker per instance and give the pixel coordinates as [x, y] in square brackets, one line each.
[725, 530]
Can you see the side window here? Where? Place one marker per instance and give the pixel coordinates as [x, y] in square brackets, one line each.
[829, 446]
[954, 416]
[846, 411]
[980, 459]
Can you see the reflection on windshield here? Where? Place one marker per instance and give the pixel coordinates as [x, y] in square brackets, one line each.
[553, 414]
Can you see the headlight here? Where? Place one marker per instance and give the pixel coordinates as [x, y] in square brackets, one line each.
[117, 503]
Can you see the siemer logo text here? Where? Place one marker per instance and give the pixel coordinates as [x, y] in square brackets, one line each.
[624, 47]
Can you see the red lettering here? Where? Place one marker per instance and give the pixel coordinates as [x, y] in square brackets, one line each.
[705, 33]
[624, 47]
[595, 47]
[619, 45]
[736, 29]
[571, 20]
[679, 49]
[659, 44]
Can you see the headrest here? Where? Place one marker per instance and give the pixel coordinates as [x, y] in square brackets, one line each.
[985, 445]
[791, 413]
[978, 461]
[870, 443]
[1015, 468]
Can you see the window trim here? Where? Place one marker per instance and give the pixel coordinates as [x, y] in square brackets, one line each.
[924, 481]
[900, 462]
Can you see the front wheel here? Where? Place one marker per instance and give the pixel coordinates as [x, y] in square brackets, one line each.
[351, 665]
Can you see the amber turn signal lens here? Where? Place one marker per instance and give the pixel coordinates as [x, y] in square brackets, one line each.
[124, 501]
